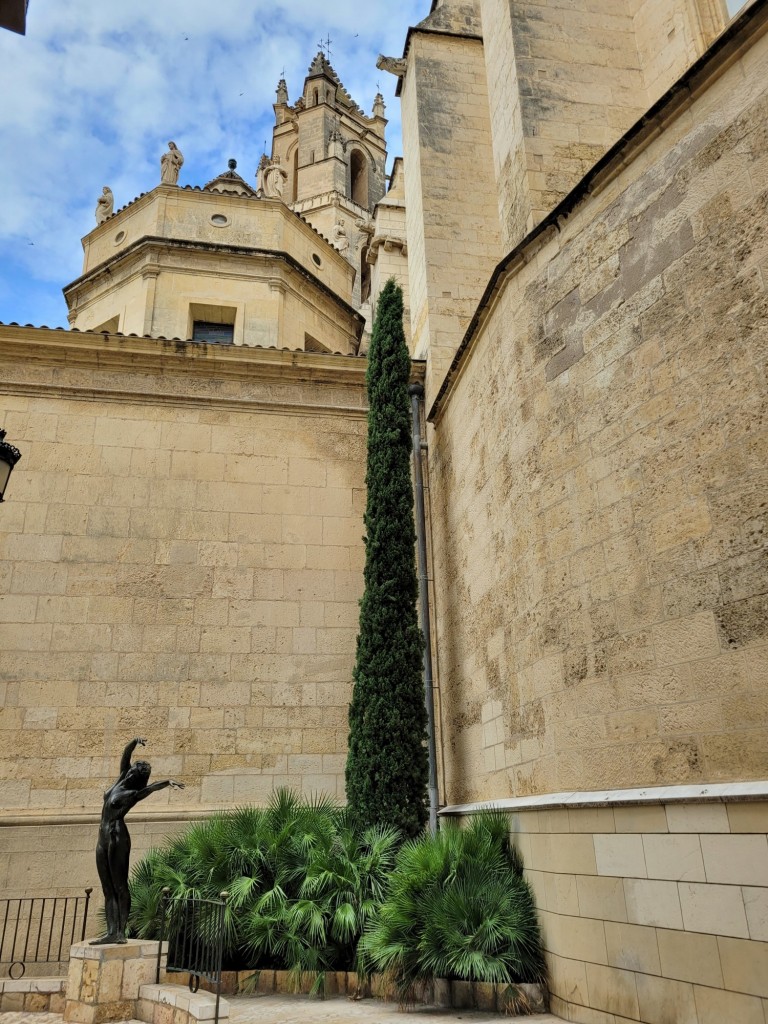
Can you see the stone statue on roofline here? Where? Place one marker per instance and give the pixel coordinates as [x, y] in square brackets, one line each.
[274, 177]
[105, 205]
[113, 847]
[263, 165]
[170, 165]
[340, 239]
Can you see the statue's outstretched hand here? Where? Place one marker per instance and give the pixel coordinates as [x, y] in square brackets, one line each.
[140, 741]
[175, 785]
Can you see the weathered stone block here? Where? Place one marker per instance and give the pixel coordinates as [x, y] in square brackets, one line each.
[57, 1002]
[90, 981]
[117, 1010]
[484, 996]
[462, 996]
[36, 1002]
[110, 982]
[79, 1013]
[163, 1013]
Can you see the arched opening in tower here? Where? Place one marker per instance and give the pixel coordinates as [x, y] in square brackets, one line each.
[358, 168]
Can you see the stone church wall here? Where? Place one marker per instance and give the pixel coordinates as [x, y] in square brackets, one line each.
[566, 80]
[182, 560]
[599, 484]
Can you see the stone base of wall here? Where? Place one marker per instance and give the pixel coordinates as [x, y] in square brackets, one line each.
[653, 905]
[32, 995]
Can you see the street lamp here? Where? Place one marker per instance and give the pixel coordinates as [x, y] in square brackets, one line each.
[9, 456]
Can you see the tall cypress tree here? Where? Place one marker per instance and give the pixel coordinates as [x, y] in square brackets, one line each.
[386, 759]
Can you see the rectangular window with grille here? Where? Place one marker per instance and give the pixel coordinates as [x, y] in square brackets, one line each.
[213, 334]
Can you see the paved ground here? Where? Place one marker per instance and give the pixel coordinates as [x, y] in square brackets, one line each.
[301, 1010]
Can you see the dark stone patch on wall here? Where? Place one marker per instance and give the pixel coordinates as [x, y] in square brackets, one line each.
[469, 715]
[527, 722]
[437, 104]
[558, 334]
[580, 663]
[649, 252]
[682, 759]
[694, 592]
[745, 576]
[743, 623]
[755, 531]
[565, 359]
[740, 135]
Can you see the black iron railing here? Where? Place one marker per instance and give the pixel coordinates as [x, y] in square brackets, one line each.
[40, 929]
[194, 931]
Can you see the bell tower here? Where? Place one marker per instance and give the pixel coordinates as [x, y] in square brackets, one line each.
[334, 158]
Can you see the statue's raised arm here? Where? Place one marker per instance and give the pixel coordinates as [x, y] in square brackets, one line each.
[113, 848]
[125, 760]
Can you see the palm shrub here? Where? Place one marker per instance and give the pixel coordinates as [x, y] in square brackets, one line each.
[386, 770]
[457, 906]
[315, 928]
[302, 882]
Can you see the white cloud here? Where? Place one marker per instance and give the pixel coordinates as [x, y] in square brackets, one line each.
[96, 91]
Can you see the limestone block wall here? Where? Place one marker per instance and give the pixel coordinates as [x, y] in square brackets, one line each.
[128, 310]
[54, 854]
[451, 208]
[387, 255]
[671, 36]
[315, 124]
[507, 128]
[579, 84]
[566, 80]
[598, 473]
[181, 558]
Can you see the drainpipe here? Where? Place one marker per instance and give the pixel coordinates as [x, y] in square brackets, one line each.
[416, 392]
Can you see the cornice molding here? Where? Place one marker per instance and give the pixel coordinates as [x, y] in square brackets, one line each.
[113, 367]
[149, 244]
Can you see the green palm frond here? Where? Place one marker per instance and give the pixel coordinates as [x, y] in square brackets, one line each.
[456, 906]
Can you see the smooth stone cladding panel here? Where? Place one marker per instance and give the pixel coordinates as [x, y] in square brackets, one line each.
[655, 912]
[598, 474]
[182, 560]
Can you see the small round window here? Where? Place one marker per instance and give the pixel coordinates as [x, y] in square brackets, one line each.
[316, 260]
[219, 220]
[119, 237]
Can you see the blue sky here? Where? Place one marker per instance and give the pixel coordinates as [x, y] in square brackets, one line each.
[94, 91]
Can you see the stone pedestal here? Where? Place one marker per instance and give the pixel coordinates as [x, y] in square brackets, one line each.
[104, 981]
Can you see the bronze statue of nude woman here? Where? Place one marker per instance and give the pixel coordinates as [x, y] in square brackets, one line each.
[113, 849]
